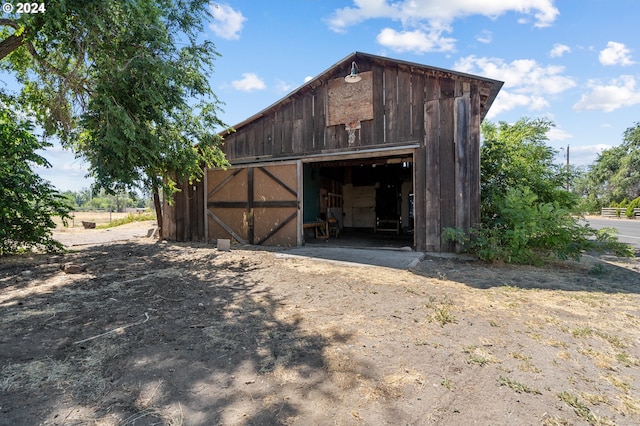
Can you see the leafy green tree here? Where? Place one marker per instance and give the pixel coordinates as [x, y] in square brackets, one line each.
[27, 202]
[123, 84]
[527, 215]
[517, 156]
[615, 175]
[70, 199]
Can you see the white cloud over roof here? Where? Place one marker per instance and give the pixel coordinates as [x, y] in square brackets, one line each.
[424, 21]
[615, 54]
[617, 93]
[416, 41]
[526, 82]
[249, 82]
[227, 22]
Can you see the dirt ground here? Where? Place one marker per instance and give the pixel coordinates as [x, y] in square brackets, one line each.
[142, 332]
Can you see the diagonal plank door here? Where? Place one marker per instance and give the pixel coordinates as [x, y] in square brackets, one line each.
[254, 205]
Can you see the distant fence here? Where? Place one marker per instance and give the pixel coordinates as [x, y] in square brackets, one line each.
[620, 212]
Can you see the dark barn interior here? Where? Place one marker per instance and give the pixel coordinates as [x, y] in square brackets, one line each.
[369, 200]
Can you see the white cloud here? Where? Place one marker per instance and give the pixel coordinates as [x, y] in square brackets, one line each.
[227, 23]
[618, 93]
[526, 82]
[507, 101]
[585, 154]
[615, 54]
[249, 82]
[555, 134]
[426, 20]
[411, 11]
[308, 78]
[284, 87]
[485, 37]
[415, 41]
[559, 50]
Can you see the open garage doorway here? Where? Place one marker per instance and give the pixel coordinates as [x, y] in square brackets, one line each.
[359, 202]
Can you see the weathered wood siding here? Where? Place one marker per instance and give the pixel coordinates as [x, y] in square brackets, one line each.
[404, 105]
[298, 126]
[183, 220]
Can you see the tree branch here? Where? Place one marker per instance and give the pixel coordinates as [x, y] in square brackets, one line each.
[12, 42]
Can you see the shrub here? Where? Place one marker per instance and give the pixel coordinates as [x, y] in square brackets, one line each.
[633, 204]
[28, 202]
[526, 231]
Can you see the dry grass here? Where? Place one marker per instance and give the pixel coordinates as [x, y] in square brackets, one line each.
[100, 218]
[306, 342]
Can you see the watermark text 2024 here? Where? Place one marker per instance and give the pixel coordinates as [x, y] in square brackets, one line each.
[21, 8]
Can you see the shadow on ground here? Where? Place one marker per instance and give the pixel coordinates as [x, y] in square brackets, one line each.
[593, 272]
[150, 334]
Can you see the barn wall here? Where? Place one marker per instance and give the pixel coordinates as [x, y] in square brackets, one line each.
[183, 219]
[447, 169]
[437, 111]
[301, 125]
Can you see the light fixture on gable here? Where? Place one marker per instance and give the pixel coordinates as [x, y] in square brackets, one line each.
[353, 77]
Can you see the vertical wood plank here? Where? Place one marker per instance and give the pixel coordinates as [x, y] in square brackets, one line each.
[268, 131]
[417, 106]
[462, 176]
[365, 133]
[474, 157]
[391, 105]
[249, 149]
[377, 134]
[308, 123]
[447, 171]
[320, 118]
[432, 177]
[198, 226]
[297, 136]
[447, 88]
[250, 216]
[287, 128]
[277, 133]
[205, 191]
[404, 103]
[432, 89]
[300, 199]
[419, 199]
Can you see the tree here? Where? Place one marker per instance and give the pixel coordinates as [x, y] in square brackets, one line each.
[615, 175]
[123, 84]
[527, 215]
[28, 202]
[517, 156]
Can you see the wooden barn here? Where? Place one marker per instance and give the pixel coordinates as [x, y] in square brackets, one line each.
[371, 147]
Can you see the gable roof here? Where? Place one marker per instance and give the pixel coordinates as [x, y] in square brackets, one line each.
[489, 88]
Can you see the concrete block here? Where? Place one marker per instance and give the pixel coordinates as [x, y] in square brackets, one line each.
[224, 244]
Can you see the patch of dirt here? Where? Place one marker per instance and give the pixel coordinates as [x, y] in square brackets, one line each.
[77, 236]
[159, 333]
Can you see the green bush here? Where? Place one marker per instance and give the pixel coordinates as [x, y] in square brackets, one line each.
[28, 202]
[633, 204]
[527, 216]
[526, 231]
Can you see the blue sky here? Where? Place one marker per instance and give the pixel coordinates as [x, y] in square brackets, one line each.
[574, 62]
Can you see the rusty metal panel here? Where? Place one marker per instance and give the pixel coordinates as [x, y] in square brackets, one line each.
[350, 102]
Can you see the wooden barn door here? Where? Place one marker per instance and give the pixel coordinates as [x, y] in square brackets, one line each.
[254, 205]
